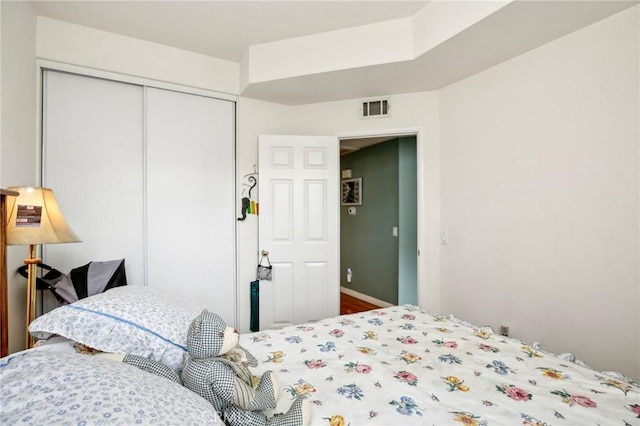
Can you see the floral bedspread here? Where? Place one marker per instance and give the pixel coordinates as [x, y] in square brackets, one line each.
[401, 365]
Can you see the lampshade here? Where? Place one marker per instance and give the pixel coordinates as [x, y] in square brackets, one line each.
[34, 217]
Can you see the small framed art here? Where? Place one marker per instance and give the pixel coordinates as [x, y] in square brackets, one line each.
[352, 192]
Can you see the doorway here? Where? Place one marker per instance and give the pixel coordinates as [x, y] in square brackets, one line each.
[378, 234]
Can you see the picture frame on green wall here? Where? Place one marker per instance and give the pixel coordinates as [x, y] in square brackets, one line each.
[352, 192]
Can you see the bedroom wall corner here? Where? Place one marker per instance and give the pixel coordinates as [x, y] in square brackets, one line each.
[19, 135]
[540, 183]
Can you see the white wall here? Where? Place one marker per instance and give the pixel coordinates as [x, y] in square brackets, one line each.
[417, 112]
[74, 44]
[540, 195]
[414, 112]
[66, 43]
[19, 137]
[27, 38]
[516, 141]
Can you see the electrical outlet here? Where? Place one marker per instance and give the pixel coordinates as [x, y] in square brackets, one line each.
[504, 330]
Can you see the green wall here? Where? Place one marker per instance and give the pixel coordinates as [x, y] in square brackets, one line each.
[408, 221]
[367, 244]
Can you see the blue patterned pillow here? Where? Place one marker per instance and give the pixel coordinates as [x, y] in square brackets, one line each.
[126, 320]
[44, 388]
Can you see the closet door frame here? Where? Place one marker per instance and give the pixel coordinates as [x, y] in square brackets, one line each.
[47, 65]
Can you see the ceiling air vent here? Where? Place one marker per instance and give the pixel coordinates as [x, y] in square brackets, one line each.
[373, 108]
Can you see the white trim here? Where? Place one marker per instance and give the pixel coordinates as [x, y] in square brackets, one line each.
[408, 131]
[364, 297]
[145, 190]
[126, 78]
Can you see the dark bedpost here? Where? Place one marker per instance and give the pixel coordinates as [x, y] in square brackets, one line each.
[4, 298]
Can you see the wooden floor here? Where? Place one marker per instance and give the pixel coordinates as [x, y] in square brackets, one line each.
[351, 305]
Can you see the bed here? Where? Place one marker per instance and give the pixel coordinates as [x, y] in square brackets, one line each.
[397, 365]
[402, 365]
[67, 379]
[45, 388]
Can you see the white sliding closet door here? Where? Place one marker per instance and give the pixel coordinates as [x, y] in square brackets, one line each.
[93, 161]
[190, 198]
[147, 175]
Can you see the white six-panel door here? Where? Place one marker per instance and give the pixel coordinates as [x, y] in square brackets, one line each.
[298, 225]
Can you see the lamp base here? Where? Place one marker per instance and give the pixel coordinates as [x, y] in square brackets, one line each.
[31, 262]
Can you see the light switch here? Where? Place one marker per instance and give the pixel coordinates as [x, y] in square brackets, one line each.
[444, 238]
[395, 231]
[351, 211]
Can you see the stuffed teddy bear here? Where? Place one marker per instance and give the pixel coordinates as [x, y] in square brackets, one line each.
[216, 368]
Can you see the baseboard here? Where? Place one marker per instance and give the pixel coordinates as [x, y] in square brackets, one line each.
[364, 297]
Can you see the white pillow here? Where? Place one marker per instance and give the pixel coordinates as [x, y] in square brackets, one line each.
[43, 388]
[126, 320]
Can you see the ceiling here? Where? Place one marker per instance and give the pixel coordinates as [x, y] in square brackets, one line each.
[223, 29]
[226, 29]
[350, 145]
